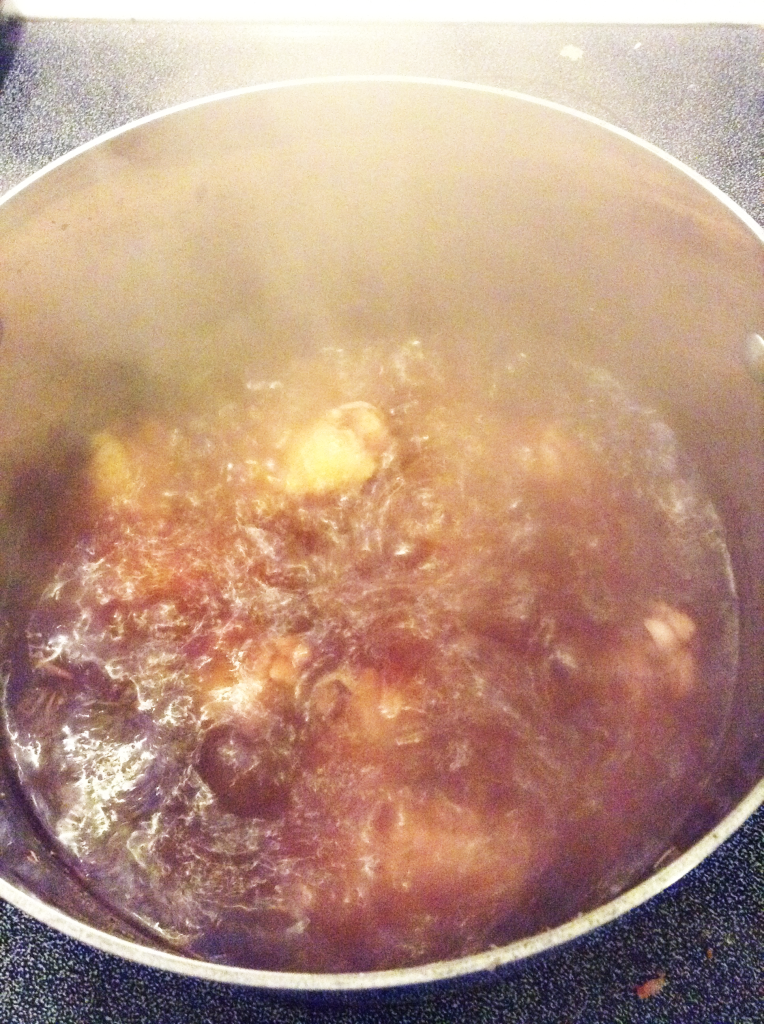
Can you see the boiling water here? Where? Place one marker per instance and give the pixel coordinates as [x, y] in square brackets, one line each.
[375, 665]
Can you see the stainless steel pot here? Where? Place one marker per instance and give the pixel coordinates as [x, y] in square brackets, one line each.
[273, 219]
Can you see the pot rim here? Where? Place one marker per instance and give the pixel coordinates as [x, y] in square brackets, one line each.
[491, 959]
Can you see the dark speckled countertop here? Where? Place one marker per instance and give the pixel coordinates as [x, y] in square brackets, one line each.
[697, 92]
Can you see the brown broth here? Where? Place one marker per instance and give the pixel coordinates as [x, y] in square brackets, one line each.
[458, 696]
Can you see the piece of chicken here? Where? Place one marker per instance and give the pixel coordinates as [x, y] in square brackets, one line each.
[114, 472]
[340, 451]
[658, 659]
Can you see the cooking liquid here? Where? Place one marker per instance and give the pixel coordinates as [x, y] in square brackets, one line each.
[455, 694]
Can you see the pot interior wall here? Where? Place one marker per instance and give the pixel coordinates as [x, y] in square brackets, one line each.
[151, 270]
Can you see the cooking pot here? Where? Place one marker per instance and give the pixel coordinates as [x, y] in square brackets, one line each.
[151, 267]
